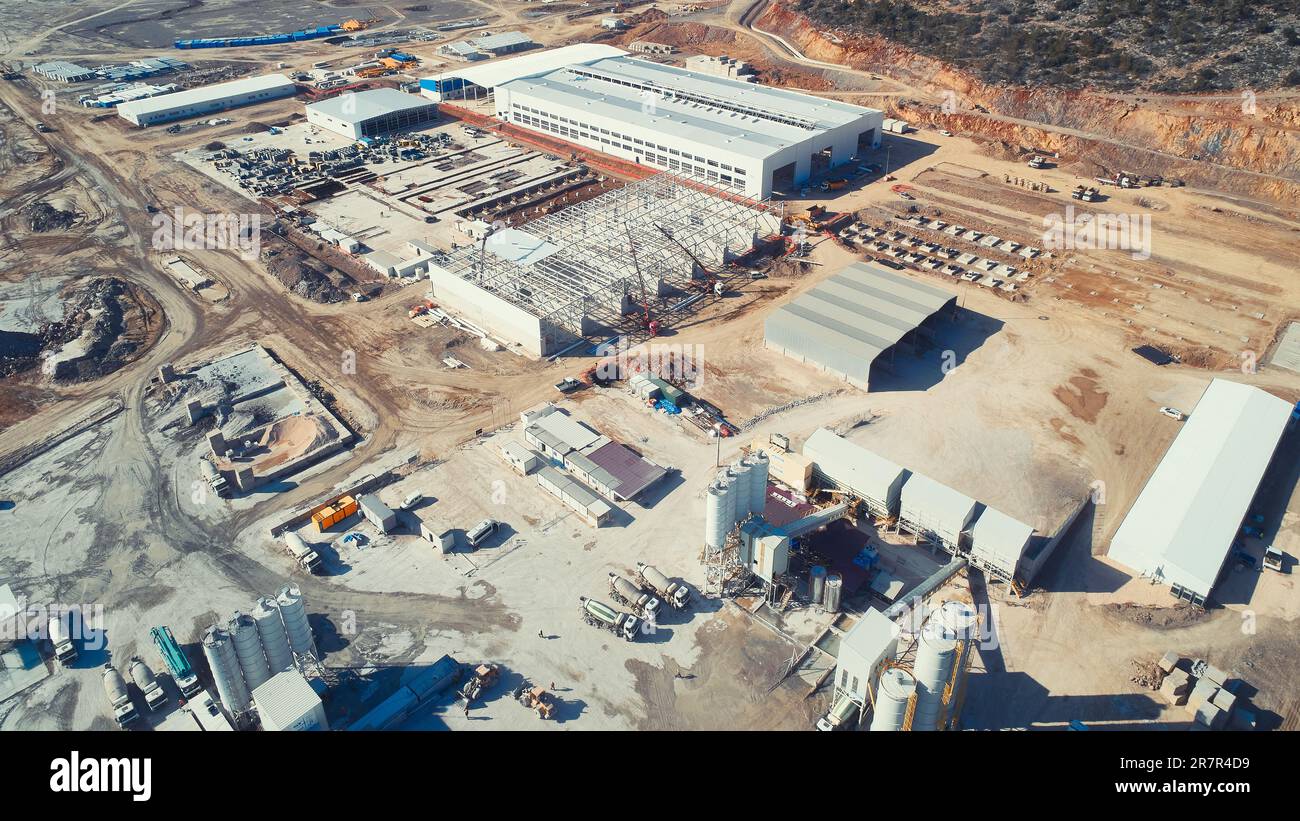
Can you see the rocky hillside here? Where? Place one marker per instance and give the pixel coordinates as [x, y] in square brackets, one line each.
[1261, 139]
[1156, 45]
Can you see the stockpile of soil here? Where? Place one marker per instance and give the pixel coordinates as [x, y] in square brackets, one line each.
[300, 274]
[18, 352]
[41, 217]
[97, 312]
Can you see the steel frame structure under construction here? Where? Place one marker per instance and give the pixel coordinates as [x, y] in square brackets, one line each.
[585, 267]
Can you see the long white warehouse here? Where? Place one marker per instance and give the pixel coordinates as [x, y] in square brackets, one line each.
[750, 138]
[197, 102]
[1181, 528]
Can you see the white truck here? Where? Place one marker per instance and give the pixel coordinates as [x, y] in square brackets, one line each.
[840, 716]
[631, 594]
[144, 679]
[214, 478]
[677, 594]
[599, 614]
[307, 558]
[115, 687]
[61, 637]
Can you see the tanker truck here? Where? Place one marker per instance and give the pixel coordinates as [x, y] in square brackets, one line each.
[599, 614]
[631, 594]
[676, 594]
[307, 558]
[144, 679]
[115, 687]
[61, 637]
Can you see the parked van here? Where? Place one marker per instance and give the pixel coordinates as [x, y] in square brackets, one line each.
[481, 531]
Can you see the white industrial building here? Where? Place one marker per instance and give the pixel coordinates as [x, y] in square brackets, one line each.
[934, 511]
[839, 463]
[197, 102]
[856, 320]
[747, 137]
[1181, 529]
[287, 702]
[480, 81]
[873, 640]
[998, 542]
[372, 113]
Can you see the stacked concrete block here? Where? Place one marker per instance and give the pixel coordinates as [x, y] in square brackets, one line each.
[1215, 676]
[166, 373]
[194, 411]
[1225, 701]
[1176, 687]
[244, 479]
[1210, 716]
[1169, 662]
[1201, 694]
[217, 442]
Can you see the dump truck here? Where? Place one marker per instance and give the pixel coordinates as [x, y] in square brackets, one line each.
[307, 558]
[144, 679]
[599, 614]
[675, 593]
[177, 664]
[1084, 194]
[61, 637]
[118, 698]
[631, 594]
[1037, 161]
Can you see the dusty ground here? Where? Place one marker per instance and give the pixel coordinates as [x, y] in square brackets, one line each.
[1046, 391]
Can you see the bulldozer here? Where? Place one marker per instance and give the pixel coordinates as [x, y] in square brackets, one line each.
[536, 698]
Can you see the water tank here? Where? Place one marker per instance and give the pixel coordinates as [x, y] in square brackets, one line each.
[742, 488]
[758, 482]
[716, 525]
[816, 583]
[219, 650]
[895, 688]
[275, 642]
[834, 586]
[294, 613]
[936, 650]
[248, 650]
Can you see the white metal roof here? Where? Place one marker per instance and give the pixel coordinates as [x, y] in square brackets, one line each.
[357, 107]
[559, 430]
[861, 471]
[505, 38]
[871, 636]
[284, 698]
[936, 507]
[1183, 523]
[203, 94]
[493, 74]
[999, 539]
[519, 247]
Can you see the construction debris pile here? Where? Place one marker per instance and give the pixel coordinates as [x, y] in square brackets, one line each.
[1213, 698]
[91, 340]
[298, 272]
[42, 217]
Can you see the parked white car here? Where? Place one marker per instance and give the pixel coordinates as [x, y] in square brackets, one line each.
[1173, 413]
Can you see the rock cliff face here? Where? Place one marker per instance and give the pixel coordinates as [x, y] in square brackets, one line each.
[1259, 137]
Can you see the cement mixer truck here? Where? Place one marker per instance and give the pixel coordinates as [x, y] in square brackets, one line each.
[307, 558]
[631, 594]
[61, 637]
[115, 687]
[599, 614]
[676, 594]
[144, 679]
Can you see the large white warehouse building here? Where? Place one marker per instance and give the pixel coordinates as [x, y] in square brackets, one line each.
[197, 102]
[751, 138]
[372, 113]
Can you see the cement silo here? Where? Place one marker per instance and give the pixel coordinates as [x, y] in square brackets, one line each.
[758, 482]
[816, 584]
[936, 651]
[248, 650]
[275, 643]
[742, 488]
[834, 587]
[716, 525]
[962, 621]
[727, 480]
[896, 687]
[219, 650]
[294, 613]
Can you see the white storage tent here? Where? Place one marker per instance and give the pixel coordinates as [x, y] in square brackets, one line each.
[867, 475]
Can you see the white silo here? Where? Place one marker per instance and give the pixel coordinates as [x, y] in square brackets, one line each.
[275, 643]
[728, 482]
[758, 482]
[936, 650]
[962, 621]
[219, 650]
[816, 584]
[248, 650]
[716, 524]
[743, 489]
[834, 587]
[892, 693]
[294, 613]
